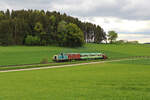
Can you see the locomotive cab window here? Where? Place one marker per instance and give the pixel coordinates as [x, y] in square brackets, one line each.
[55, 57]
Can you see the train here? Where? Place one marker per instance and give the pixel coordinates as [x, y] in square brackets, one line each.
[78, 56]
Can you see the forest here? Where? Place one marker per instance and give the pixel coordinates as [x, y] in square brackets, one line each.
[39, 27]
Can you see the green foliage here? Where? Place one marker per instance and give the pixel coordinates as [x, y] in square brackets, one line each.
[74, 36]
[100, 35]
[12, 32]
[132, 42]
[30, 40]
[61, 27]
[6, 37]
[48, 26]
[112, 36]
[44, 61]
[70, 35]
[43, 42]
[1, 14]
[126, 42]
[121, 42]
[38, 27]
[53, 19]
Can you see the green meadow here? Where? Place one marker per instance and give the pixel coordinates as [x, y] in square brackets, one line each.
[124, 80]
[17, 55]
[121, 80]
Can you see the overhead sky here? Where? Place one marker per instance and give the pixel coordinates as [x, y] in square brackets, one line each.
[130, 18]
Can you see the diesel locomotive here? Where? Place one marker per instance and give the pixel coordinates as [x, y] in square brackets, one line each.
[78, 56]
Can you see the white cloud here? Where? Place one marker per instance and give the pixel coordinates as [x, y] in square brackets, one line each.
[4, 6]
[125, 9]
[120, 25]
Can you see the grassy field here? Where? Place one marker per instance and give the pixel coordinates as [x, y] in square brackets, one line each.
[17, 55]
[124, 80]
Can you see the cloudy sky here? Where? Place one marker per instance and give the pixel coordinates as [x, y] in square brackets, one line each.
[130, 18]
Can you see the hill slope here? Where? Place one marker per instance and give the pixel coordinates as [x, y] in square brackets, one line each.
[14, 55]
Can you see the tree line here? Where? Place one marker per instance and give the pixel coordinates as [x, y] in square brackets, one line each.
[39, 27]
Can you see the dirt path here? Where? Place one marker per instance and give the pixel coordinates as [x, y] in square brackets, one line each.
[69, 65]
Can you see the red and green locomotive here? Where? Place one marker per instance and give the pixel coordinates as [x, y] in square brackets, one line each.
[78, 56]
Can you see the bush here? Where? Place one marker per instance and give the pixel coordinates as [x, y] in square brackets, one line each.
[28, 40]
[32, 40]
[43, 42]
[44, 61]
[36, 40]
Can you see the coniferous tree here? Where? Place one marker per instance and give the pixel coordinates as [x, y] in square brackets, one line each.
[49, 27]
